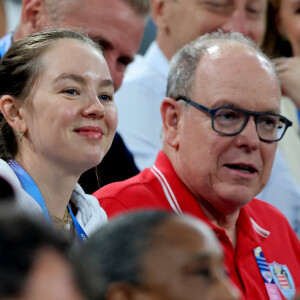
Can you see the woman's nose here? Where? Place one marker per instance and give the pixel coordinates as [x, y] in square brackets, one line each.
[94, 108]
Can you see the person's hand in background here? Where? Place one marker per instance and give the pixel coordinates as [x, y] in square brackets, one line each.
[289, 73]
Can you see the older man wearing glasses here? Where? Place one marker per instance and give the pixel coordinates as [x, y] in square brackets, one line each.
[222, 121]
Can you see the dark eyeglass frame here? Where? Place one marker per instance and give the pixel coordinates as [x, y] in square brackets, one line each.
[248, 113]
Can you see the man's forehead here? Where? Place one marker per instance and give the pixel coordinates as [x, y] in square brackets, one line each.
[223, 49]
[235, 57]
[231, 71]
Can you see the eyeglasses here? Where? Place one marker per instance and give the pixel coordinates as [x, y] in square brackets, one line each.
[231, 121]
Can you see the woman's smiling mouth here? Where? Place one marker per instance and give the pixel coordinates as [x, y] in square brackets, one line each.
[90, 132]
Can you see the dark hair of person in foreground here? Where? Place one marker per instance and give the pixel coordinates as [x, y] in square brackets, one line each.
[21, 239]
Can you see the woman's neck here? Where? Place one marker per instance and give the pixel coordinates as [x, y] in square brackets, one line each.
[53, 182]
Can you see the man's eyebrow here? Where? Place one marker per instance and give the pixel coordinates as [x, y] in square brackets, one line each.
[229, 104]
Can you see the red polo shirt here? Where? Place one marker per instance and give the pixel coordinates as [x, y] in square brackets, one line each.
[259, 224]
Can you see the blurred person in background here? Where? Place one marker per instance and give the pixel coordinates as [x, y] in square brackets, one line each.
[34, 261]
[155, 255]
[10, 11]
[283, 44]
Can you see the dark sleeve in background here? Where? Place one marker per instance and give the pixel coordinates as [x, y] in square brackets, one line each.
[117, 165]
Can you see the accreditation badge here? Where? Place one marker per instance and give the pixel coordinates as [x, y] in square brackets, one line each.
[283, 279]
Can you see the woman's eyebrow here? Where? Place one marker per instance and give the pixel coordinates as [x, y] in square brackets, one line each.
[106, 82]
[81, 79]
[75, 77]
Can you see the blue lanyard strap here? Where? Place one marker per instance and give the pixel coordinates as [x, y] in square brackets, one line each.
[81, 234]
[31, 188]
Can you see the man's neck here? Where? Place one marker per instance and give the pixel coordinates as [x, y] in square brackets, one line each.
[225, 222]
[17, 34]
[165, 47]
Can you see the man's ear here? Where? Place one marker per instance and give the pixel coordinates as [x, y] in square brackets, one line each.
[171, 112]
[158, 12]
[13, 113]
[121, 291]
[33, 17]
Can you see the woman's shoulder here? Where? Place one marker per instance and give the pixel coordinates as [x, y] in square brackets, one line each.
[24, 201]
[8, 174]
[90, 214]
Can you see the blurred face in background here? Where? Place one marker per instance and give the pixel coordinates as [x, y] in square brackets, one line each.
[289, 23]
[185, 20]
[114, 24]
[185, 261]
[51, 278]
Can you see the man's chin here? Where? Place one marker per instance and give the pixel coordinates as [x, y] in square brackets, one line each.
[238, 195]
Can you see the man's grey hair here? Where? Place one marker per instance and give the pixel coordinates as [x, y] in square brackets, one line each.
[116, 252]
[185, 62]
[58, 9]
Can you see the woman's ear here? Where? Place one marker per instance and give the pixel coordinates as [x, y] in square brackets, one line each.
[13, 113]
[171, 112]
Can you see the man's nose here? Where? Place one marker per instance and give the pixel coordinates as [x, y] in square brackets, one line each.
[237, 21]
[249, 136]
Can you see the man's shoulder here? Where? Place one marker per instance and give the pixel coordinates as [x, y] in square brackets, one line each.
[261, 208]
[280, 238]
[269, 217]
[133, 186]
[139, 192]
